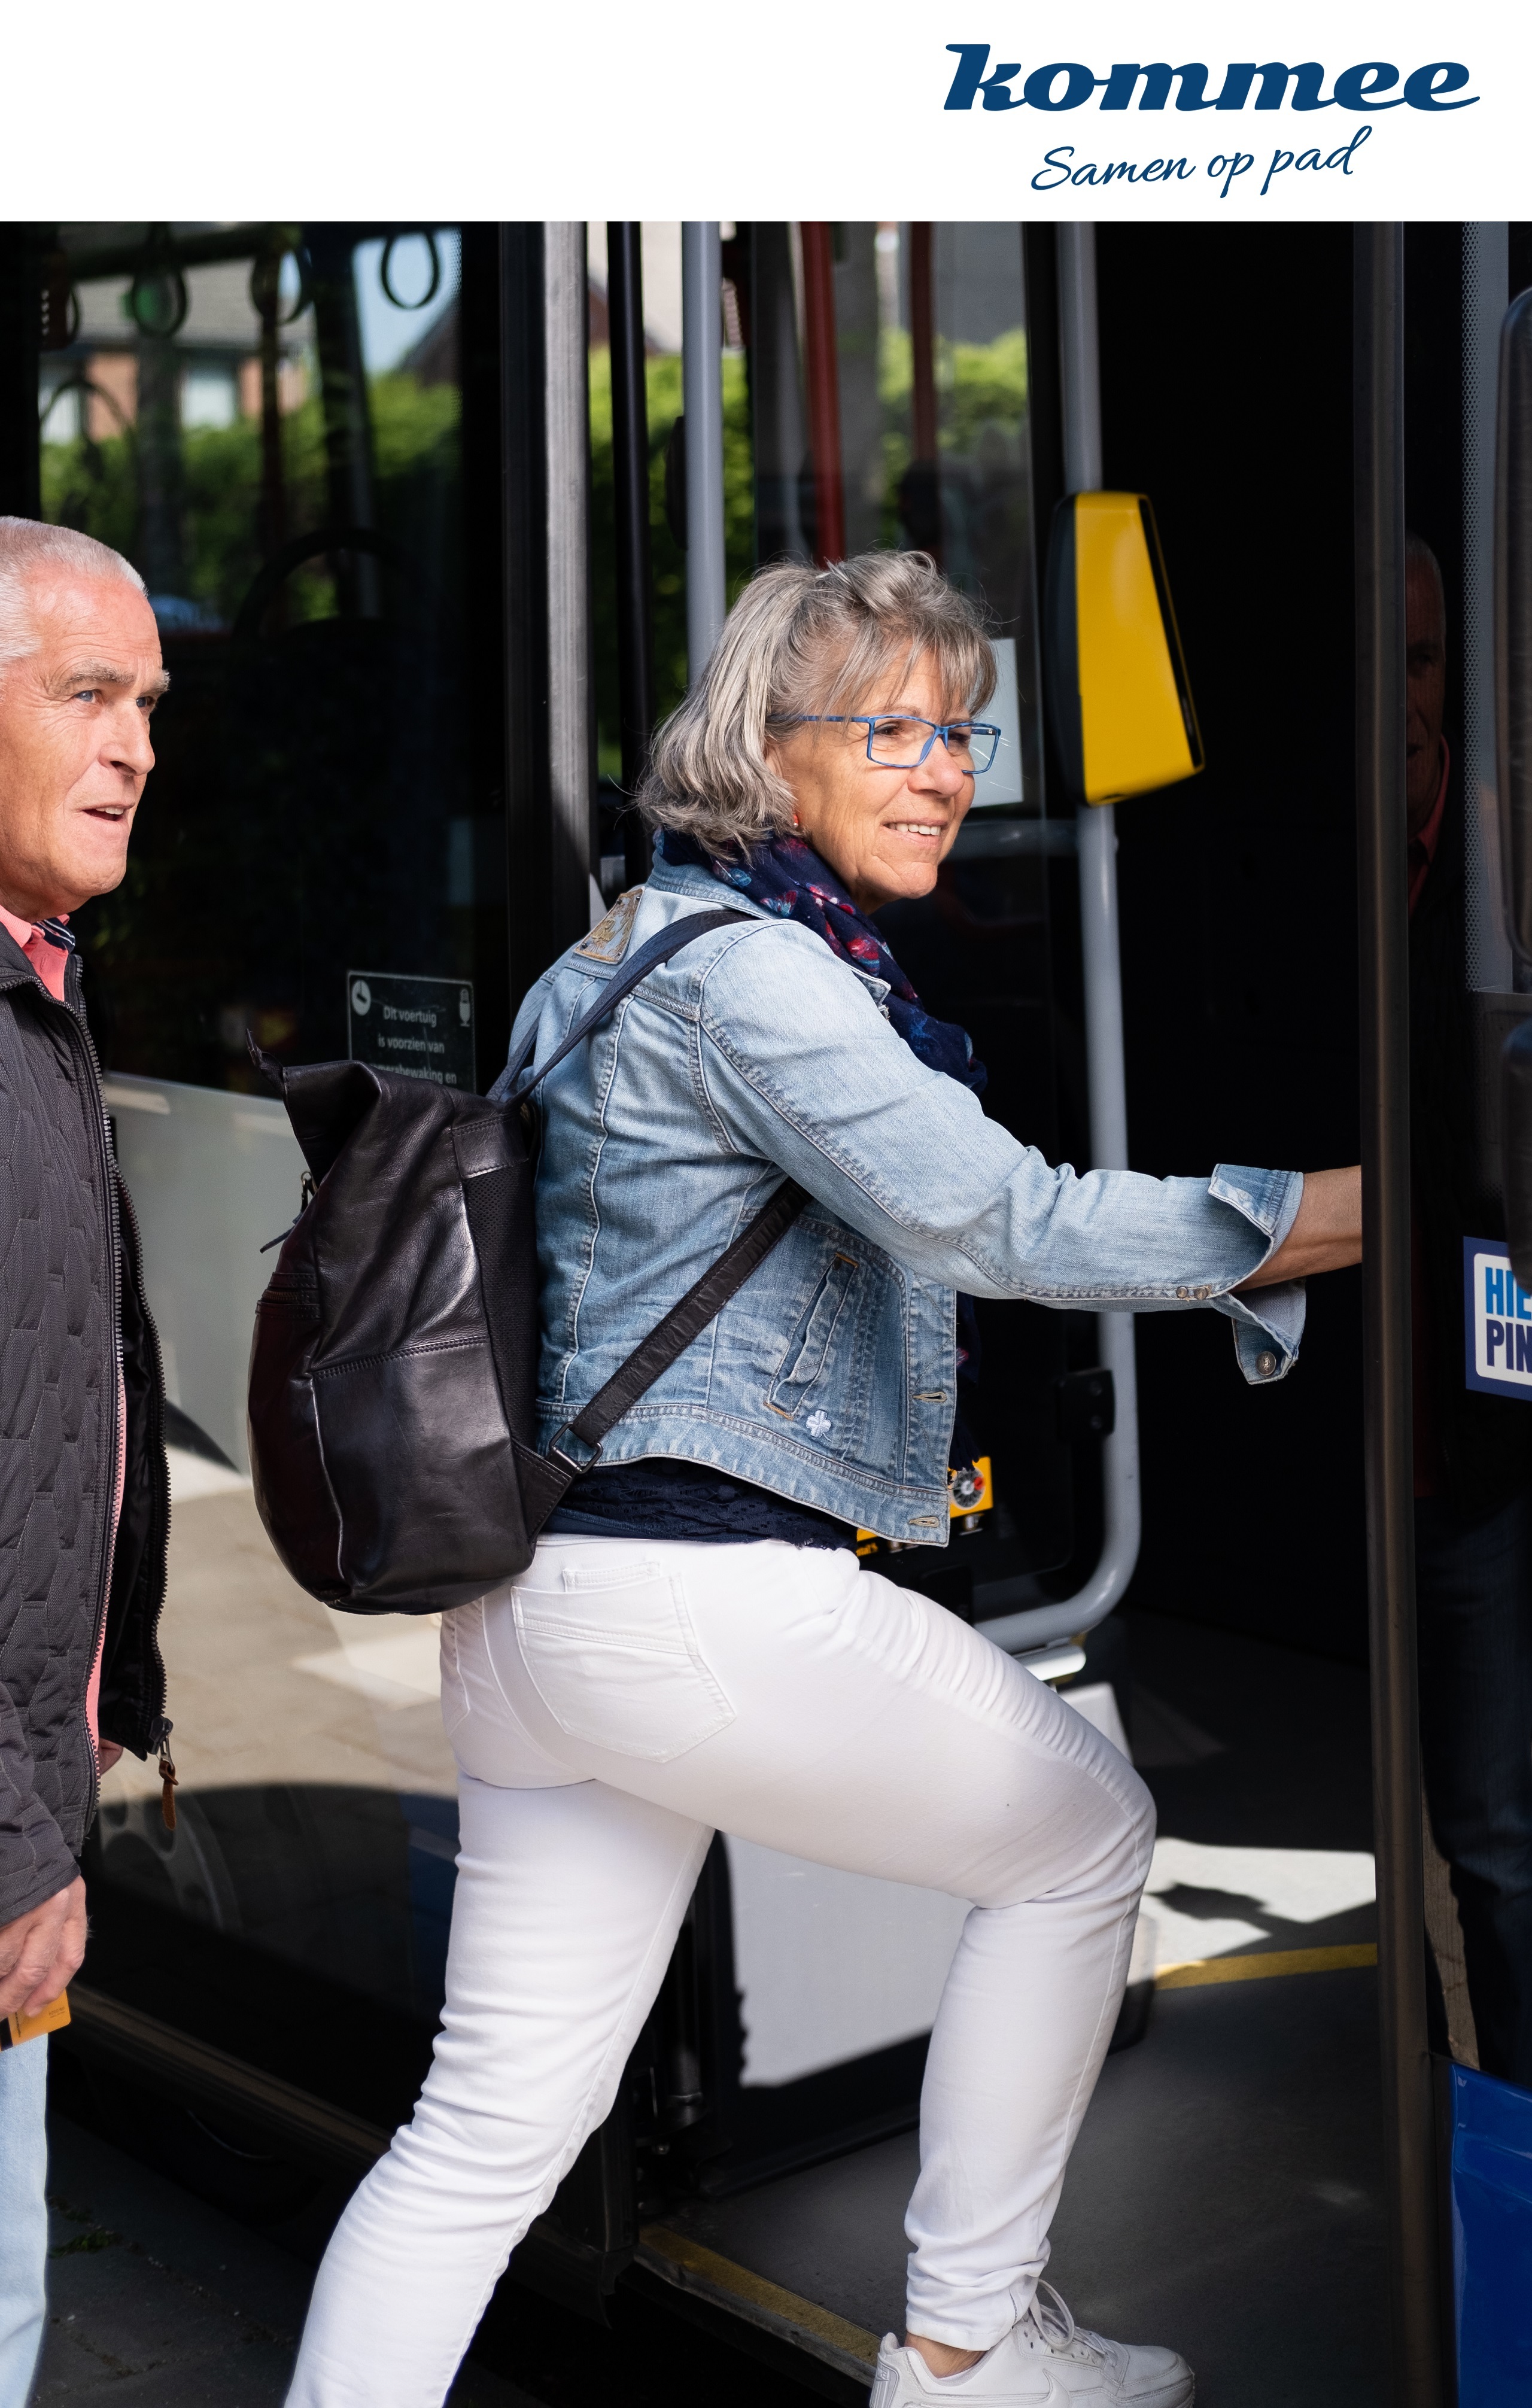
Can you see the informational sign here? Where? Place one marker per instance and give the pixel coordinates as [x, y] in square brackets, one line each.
[423, 1027]
[1002, 781]
[1496, 1321]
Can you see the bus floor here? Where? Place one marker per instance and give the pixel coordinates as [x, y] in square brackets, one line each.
[1225, 2195]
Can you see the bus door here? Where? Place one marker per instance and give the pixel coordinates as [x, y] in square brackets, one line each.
[874, 386]
[1453, 1626]
[971, 389]
[289, 429]
[803, 391]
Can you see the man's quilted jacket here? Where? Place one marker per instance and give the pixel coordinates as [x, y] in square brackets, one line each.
[70, 1292]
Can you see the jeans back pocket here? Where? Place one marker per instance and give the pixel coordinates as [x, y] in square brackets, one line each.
[615, 1661]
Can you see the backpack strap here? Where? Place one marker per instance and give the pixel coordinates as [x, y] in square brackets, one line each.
[546, 1478]
[648, 957]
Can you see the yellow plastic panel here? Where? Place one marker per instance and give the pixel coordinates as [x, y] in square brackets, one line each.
[1133, 727]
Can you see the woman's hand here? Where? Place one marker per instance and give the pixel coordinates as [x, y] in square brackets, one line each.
[1326, 1235]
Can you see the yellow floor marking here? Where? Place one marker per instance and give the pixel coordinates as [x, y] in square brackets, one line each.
[722, 2275]
[1264, 1968]
[716, 2273]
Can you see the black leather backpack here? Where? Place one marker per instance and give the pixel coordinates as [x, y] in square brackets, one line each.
[393, 1376]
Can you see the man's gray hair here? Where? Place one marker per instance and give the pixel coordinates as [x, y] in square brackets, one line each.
[802, 641]
[28, 545]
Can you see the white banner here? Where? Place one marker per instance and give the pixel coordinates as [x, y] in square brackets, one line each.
[971, 109]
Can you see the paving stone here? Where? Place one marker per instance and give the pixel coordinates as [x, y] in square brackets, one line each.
[155, 2297]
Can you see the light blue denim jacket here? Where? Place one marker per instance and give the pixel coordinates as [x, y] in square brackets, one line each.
[830, 1378]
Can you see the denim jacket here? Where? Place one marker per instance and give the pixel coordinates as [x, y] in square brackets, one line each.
[830, 1377]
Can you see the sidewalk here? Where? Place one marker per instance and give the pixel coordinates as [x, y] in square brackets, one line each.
[159, 2299]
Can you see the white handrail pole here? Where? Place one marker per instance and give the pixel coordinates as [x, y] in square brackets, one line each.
[702, 403]
[1096, 843]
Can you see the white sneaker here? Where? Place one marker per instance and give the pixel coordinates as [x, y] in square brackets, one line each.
[1045, 2361]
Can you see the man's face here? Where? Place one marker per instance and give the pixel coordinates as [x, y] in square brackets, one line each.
[1426, 686]
[74, 741]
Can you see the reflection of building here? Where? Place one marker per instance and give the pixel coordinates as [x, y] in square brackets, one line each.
[92, 386]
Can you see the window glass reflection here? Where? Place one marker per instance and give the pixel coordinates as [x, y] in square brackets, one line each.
[270, 421]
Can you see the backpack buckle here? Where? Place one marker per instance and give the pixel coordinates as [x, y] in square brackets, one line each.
[557, 1454]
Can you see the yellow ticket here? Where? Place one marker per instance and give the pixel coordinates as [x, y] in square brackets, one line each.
[52, 2017]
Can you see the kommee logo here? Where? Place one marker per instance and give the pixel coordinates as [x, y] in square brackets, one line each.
[1065, 84]
[1060, 85]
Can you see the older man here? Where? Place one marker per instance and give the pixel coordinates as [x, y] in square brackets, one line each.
[1473, 1453]
[82, 1480]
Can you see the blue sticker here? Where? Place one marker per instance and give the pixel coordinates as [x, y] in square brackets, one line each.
[1496, 1322]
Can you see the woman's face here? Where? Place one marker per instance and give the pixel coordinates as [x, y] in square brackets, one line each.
[884, 832]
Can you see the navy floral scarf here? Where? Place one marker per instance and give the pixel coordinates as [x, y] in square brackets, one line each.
[787, 876]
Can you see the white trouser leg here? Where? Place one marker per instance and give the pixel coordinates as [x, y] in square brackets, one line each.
[566, 1912]
[799, 1702]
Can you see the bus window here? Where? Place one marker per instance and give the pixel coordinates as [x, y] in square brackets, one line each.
[890, 373]
[277, 424]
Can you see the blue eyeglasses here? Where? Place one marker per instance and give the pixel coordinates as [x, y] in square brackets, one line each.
[893, 737]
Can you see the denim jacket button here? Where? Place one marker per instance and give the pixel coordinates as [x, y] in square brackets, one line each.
[1203, 1293]
[1266, 1363]
[1184, 1294]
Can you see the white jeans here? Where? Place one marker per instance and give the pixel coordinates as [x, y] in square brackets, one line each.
[607, 1711]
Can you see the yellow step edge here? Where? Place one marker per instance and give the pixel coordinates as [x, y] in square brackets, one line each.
[689, 2264]
[1200, 1971]
[680, 2258]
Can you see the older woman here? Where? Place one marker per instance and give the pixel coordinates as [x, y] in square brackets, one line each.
[696, 1643]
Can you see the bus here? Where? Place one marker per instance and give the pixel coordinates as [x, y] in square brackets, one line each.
[436, 520]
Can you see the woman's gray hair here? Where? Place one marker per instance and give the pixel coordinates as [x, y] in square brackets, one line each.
[27, 545]
[801, 641]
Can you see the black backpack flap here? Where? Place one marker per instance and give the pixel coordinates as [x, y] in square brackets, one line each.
[325, 1101]
[415, 1427]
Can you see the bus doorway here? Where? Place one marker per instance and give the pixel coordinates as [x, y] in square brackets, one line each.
[409, 728]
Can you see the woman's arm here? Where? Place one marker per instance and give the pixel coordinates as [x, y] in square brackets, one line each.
[1326, 1235]
[795, 1065]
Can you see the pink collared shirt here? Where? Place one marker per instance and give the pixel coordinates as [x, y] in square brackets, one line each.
[50, 963]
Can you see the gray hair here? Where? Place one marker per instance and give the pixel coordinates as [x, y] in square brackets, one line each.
[800, 641]
[28, 545]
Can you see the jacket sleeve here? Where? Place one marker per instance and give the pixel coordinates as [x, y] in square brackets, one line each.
[34, 1863]
[800, 1067]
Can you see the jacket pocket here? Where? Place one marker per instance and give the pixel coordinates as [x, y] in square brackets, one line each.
[809, 1348]
[615, 1661]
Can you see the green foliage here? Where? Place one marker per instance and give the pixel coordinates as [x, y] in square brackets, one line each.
[981, 397]
[95, 485]
[663, 385]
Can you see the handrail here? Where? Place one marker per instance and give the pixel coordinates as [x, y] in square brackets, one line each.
[566, 422]
[630, 497]
[1036, 1626]
[702, 395]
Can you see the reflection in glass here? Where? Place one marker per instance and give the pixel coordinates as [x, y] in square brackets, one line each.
[269, 421]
